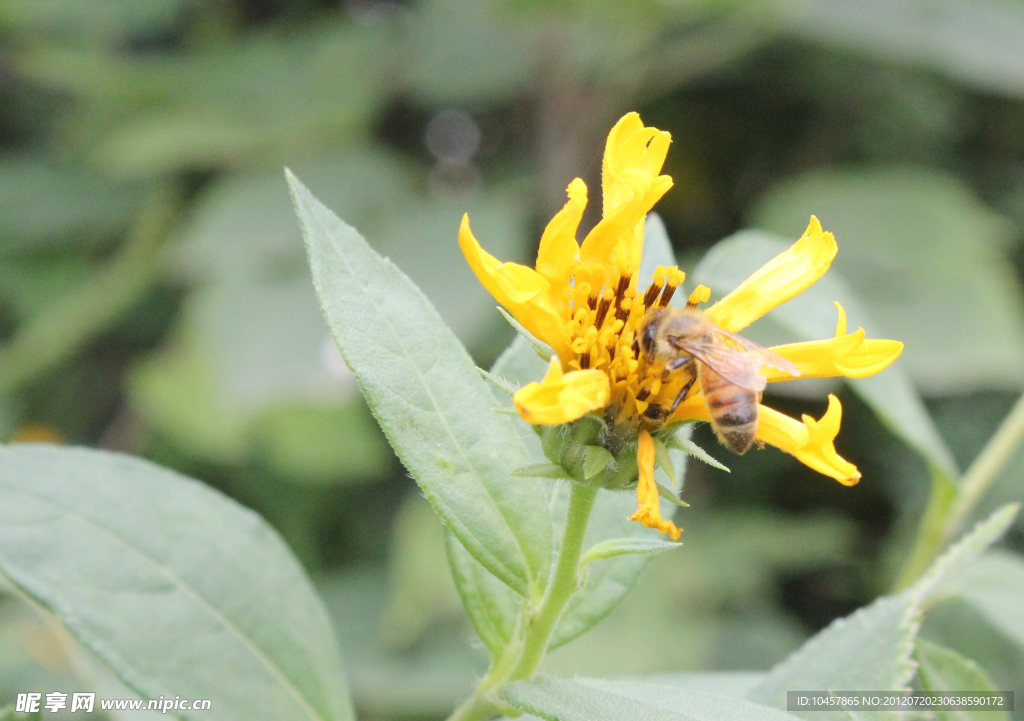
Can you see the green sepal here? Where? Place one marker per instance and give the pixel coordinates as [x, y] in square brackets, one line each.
[543, 349]
[503, 384]
[597, 458]
[543, 470]
[669, 495]
[662, 459]
[625, 546]
[692, 449]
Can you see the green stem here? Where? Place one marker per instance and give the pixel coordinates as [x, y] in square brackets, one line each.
[520, 660]
[950, 505]
[58, 331]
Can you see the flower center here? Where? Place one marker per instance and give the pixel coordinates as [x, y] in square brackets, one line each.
[603, 333]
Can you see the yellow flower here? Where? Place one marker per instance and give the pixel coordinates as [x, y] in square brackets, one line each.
[583, 299]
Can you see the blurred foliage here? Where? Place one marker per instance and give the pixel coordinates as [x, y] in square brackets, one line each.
[900, 123]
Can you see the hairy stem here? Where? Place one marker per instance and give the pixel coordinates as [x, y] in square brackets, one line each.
[520, 660]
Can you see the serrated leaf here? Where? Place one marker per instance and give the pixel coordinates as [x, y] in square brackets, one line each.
[812, 316]
[624, 546]
[994, 585]
[431, 402]
[585, 699]
[542, 470]
[692, 449]
[540, 347]
[596, 460]
[943, 671]
[506, 387]
[872, 649]
[663, 461]
[669, 495]
[109, 543]
[491, 606]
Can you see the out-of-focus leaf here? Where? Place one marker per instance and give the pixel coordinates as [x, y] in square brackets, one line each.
[927, 261]
[945, 671]
[976, 41]
[421, 590]
[319, 444]
[43, 204]
[585, 699]
[262, 101]
[100, 20]
[108, 543]
[459, 52]
[428, 680]
[872, 648]
[994, 585]
[440, 424]
[812, 316]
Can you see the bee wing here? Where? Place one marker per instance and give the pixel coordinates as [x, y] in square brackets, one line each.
[736, 366]
[765, 356]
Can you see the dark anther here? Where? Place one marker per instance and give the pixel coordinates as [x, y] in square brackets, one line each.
[667, 296]
[651, 294]
[636, 349]
[584, 361]
[644, 394]
[611, 351]
[622, 313]
[592, 302]
[602, 311]
[620, 292]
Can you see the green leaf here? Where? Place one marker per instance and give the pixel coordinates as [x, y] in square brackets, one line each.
[491, 606]
[663, 461]
[585, 699]
[624, 546]
[109, 543]
[994, 585]
[943, 670]
[542, 470]
[812, 316]
[597, 460]
[692, 449]
[430, 400]
[669, 495]
[506, 387]
[543, 349]
[872, 648]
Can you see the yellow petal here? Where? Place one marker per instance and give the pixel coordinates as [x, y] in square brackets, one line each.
[559, 251]
[811, 441]
[562, 397]
[522, 290]
[786, 275]
[649, 511]
[848, 354]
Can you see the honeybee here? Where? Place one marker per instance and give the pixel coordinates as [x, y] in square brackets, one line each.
[727, 365]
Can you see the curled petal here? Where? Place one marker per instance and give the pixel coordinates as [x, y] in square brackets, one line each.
[848, 354]
[810, 441]
[784, 276]
[562, 397]
[649, 511]
[559, 251]
[522, 290]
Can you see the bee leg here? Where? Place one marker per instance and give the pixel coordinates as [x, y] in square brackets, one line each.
[682, 395]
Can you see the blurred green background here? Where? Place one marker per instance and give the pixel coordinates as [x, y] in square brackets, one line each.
[154, 297]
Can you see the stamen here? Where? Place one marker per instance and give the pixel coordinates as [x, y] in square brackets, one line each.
[651, 294]
[592, 302]
[667, 296]
[699, 295]
[620, 291]
[602, 312]
[643, 394]
[584, 361]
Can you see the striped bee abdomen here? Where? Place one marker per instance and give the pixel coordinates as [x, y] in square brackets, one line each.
[733, 410]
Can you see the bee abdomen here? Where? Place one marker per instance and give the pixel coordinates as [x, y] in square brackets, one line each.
[734, 414]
